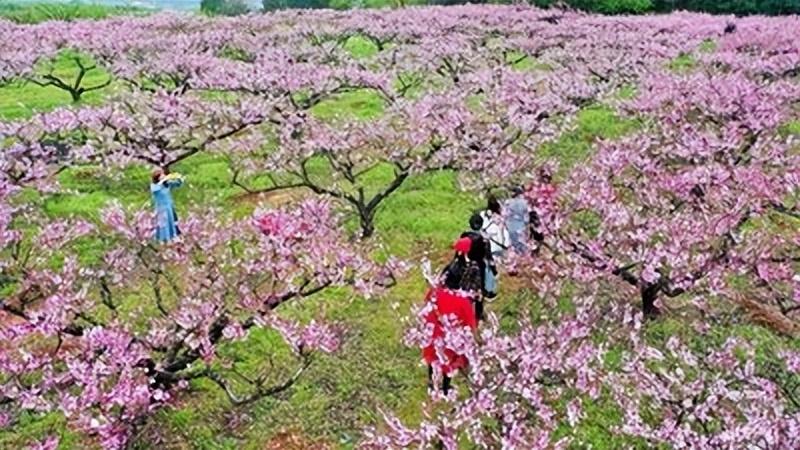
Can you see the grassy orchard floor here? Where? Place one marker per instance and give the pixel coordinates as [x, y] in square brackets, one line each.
[35, 12]
[341, 394]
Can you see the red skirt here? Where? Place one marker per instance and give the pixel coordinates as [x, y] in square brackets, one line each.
[447, 303]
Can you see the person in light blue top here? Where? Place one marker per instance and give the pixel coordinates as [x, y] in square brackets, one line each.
[517, 218]
[166, 217]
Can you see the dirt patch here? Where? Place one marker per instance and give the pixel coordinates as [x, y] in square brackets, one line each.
[515, 281]
[7, 319]
[287, 440]
[272, 198]
[770, 317]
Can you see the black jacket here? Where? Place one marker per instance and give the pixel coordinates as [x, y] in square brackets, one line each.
[479, 251]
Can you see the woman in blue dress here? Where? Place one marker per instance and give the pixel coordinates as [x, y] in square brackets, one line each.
[166, 218]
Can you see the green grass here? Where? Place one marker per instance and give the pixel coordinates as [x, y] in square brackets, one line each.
[791, 128]
[425, 215]
[707, 46]
[361, 104]
[361, 47]
[627, 92]
[20, 99]
[39, 427]
[593, 123]
[683, 63]
[28, 13]
[522, 62]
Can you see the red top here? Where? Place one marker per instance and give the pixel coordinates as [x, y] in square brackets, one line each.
[463, 245]
[448, 303]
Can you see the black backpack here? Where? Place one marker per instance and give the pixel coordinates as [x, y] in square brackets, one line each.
[461, 274]
[471, 279]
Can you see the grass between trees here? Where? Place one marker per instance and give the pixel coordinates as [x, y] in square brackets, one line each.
[42, 11]
[344, 393]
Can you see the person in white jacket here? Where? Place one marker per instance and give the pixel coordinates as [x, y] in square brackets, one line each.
[494, 228]
[495, 231]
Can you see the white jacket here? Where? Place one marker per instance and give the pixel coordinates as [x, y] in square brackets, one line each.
[494, 228]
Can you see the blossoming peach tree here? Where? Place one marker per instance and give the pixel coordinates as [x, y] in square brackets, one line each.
[697, 204]
[108, 341]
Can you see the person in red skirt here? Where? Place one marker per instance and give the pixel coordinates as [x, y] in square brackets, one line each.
[452, 297]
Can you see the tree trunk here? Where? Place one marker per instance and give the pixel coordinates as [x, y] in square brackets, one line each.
[367, 219]
[649, 293]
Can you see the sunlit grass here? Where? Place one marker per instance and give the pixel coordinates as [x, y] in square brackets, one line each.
[28, 13]
[593, 123]
[21, 98]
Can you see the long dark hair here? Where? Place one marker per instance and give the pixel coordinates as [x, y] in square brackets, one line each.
[492, 204]
[454, 271]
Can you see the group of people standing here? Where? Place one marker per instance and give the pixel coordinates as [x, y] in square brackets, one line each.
[460, 290]
[471, 276]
